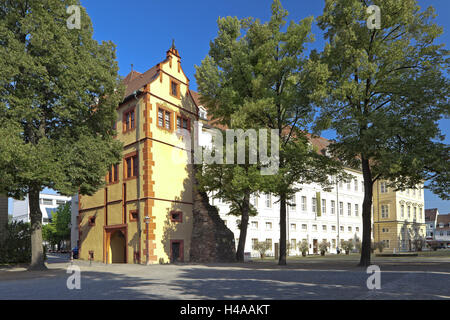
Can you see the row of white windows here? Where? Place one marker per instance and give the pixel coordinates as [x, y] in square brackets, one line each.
[385, 212]
[293, 226]
[414, 192]
[355, 209]
[293, 242]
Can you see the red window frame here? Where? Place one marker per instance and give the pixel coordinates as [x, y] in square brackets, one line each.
[165, 122]
[131, 166]
[181, 120]
[129, 120]
[113, 174]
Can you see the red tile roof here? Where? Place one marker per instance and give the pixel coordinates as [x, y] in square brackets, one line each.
[443, 218]
[136, 80]
[430, 214]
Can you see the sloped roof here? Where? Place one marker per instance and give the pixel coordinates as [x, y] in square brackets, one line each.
[443, 218]
[136, 80]
[430, 214]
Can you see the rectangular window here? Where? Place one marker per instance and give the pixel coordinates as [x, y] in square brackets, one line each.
[164, 119]
[255, 201]
[183, 123]
[314, 205]
[255, 224]
[268, 200]
[333, 207]
[303, 203]
[292, 203]
[357, 229]
[356, 185]
[269, 241]
[349, 184]
[131, 167]
[47, 202]
[128, 120]
[341, 208]
[268, 225]
[402, 211]
[293, 226]
[304, 227]
[314, 227]
[114, 174]
[342, 228]
[409, 212]
[415, 213]
[349, 229]
[324, 206]
[333, 228]
[384, 211]
[254, 242]
[175, 89]
[349, 209]
[324, 227]
[356, 210]
[383, 188]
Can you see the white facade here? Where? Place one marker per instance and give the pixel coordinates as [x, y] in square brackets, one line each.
[340, 219]
[47, 204]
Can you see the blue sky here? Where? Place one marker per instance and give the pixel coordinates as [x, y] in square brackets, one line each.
[143, 31]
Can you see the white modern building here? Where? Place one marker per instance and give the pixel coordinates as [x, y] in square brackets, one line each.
[48, 203]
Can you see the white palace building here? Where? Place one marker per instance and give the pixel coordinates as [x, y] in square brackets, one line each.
[340, 217]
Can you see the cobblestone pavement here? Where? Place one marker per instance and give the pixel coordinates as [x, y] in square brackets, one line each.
[401, 278]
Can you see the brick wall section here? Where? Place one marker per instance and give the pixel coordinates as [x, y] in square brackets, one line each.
[211, 240]
[3, 213]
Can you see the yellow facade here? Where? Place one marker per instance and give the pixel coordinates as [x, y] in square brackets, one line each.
[151, 190]
[399, 217]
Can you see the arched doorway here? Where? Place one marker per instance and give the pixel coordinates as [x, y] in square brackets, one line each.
[117, 247]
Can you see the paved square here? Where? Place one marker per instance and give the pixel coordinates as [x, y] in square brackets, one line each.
[303, 278]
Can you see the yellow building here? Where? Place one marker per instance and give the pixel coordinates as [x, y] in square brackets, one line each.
[144, 214]
[398, 217]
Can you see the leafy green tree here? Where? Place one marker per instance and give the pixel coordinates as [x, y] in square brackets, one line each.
[58, 94]
[387, 92]
[58, 229]
[233, 184]
[256, 76]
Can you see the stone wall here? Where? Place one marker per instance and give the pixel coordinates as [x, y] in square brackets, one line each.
[211, 240]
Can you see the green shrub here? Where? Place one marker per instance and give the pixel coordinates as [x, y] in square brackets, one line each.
[303, 246]
[262, 247]
[16, 244]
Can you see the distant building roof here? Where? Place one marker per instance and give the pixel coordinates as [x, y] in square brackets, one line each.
[136, 80]
[430, 214]
[444, 218]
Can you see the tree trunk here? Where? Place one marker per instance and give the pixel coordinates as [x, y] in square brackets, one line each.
[282, 257]
[243, 229]
[366, 214]
[37, 252]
